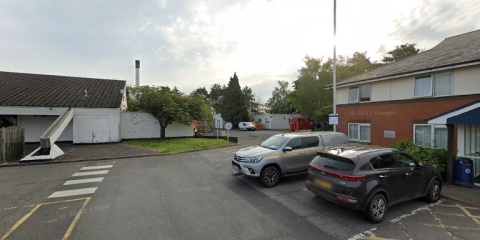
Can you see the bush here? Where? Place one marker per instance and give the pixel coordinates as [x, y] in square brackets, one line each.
[435, 156]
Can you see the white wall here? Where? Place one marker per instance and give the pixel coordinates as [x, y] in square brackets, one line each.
[281, 121]
[35, 126]
[100, 125]
[274, 121]
[466, 80]
[342, 95]
[143, 125]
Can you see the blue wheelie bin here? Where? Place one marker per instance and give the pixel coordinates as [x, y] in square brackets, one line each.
[463, 175]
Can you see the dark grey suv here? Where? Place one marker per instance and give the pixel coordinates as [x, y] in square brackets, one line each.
[371, 179]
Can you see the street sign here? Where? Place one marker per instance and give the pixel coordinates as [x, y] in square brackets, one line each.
[228, 126]
[333, 119]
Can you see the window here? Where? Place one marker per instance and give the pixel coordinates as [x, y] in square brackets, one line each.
[405, 160]
[353, 95]
[311, 142]
[359, 131]
[383, 161]
[430, 135]
[361, 94]
[365, 91]
[295, 143]
[472, 140]
[439, 84]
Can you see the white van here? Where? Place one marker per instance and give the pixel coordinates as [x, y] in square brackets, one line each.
[247, 126]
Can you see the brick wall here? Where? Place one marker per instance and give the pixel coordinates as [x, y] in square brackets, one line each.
[398, 116]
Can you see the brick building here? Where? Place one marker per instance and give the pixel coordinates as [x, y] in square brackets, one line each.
[404, 100]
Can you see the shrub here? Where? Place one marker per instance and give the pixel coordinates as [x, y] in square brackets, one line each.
[435, 156]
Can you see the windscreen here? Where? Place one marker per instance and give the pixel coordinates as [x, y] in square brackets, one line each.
[274, 142]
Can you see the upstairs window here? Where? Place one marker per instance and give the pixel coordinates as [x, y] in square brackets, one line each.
[359, 94]
[353, 94]
[439, 84]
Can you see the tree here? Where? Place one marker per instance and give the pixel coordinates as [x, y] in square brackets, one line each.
[401, 52]
[279, 93]
[202, 92]
[281, 100]
[168, 105]
[233, 106]
[216, 93]
[249, 97]
[310, 96]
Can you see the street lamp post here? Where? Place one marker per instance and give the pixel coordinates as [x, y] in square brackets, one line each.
[334, 61]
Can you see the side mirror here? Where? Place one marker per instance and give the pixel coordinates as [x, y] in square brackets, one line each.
[287, 149]
[420, 164]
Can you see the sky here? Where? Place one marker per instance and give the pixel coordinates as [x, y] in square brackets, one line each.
[197, 43]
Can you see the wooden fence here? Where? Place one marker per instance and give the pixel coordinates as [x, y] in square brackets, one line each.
[12, 142]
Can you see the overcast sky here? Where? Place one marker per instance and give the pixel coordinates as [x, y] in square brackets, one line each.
[196, 43]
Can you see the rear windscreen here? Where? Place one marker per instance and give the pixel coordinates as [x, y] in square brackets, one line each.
[332, 162]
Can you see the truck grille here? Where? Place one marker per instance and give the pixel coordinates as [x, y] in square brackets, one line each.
[238, 158]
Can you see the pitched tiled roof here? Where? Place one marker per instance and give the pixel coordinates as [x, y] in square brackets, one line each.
[37, 90]
[464, 48]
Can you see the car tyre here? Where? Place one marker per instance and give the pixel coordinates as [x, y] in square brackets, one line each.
[270, 176]
[433, 194]
[377, 208]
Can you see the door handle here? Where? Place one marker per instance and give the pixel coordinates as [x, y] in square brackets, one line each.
[383, 176]
[408, 174]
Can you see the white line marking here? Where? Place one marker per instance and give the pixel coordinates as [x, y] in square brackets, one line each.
[96, 167]
[87, 180]
[90, 173]
[421, 209]
[75, 192]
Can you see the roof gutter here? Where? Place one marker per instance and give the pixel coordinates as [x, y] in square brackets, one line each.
[406, 75]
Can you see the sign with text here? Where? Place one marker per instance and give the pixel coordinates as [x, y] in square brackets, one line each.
[333, 119]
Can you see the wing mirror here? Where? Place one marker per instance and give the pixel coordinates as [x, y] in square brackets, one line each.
[287, 149]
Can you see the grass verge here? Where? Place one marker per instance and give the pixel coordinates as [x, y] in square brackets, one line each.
[178, 145]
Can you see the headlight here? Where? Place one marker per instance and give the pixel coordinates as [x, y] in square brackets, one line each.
[252, 159]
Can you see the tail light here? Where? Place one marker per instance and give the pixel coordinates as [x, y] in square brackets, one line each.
[344, 177]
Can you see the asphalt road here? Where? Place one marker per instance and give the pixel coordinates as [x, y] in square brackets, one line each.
[195, 196]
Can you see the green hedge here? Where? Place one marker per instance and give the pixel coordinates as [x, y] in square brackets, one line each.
[435, 156]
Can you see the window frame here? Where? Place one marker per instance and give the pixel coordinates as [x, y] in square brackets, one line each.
[359, 93]
[432, 78]
[358, 131]
[432, 134]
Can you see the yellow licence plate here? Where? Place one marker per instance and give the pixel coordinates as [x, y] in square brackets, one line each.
[323, 184]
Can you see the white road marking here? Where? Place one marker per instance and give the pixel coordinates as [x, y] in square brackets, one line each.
[96, 167]
[80, 181]
[90, 173]
[421, 209]
[75, 192]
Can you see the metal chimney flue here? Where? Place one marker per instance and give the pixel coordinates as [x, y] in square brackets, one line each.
[137, 73]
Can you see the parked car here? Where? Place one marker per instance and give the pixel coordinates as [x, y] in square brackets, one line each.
[283, 154]
[371, 179]
[247, 126]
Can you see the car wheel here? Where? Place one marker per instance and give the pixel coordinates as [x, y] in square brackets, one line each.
[433, 194]
[377, 208]
[270, 176]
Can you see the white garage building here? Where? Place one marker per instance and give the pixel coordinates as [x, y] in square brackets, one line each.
[59, 108]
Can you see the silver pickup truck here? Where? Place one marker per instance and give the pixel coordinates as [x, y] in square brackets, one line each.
[283, 154]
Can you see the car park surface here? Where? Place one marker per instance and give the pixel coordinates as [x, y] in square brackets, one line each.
[194, 196]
